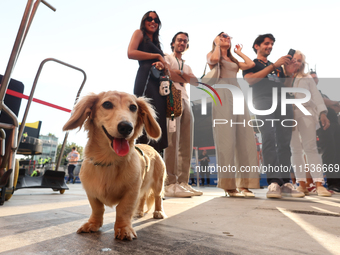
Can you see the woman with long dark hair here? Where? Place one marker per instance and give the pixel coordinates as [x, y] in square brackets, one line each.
[234, 143]
[145, 47]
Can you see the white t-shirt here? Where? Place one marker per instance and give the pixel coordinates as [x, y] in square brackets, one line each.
[173, 64]
[73, 158]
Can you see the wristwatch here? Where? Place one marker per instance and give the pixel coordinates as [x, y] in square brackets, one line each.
[181, 72]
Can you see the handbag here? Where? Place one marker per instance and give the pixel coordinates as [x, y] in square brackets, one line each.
[174, 102]
[162, 78]
[212, 77]
[155, 73]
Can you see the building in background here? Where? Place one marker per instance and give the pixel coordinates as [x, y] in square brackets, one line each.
[49, 147]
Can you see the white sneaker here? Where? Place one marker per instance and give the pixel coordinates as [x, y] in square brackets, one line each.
[323, 192]
[288, 190]
[274, 191]
[188, 187]
[175, 190]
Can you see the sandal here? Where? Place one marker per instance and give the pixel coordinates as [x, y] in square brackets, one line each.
[247, 193]
[233, 193]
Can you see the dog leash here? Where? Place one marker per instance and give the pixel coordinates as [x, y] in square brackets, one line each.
[146, 85]
[142, 153]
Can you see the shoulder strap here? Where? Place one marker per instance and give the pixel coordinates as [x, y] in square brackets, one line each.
[205, 69]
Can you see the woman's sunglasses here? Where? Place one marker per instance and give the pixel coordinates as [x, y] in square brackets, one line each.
[151, 19]
[226, 36]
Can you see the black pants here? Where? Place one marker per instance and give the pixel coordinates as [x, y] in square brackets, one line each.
[70, 170]
[205, 175]
[275, 141]
[329, 144]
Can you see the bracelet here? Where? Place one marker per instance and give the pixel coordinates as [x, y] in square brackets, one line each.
[181, 72]
[273, 66]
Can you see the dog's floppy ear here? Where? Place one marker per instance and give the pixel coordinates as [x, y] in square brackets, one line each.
[147, 115]
[81, 112]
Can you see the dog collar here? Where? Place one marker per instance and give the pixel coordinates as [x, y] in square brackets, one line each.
[110, 164]
[100, 164]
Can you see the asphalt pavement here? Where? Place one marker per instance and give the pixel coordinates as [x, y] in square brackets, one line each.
[41, 221]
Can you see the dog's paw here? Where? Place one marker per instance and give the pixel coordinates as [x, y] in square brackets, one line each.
[126, 232]
[139, 214]
[159, 215]
[89, 227]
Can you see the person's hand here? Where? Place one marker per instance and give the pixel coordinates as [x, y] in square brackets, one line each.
[165, 64]
[324, 121]
[238, 49]
[291, 67]
[285, 60]
[217, 40]
[159, 65]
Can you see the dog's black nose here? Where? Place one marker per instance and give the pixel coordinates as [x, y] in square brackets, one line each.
[125, 128]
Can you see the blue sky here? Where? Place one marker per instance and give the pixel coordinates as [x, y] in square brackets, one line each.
[94, 36]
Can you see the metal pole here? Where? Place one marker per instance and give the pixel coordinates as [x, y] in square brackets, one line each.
[15, 50]
[197, 173]
[61, 151]
[22, 126]
[18, 43]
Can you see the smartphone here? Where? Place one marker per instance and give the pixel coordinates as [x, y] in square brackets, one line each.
[291, 52]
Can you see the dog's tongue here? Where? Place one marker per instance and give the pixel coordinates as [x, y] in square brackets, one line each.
[120, 146]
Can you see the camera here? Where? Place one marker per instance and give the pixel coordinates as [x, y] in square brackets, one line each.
[164, 88]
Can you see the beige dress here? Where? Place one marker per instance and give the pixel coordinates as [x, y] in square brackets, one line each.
[235, 144]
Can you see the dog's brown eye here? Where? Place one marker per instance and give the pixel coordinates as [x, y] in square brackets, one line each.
[107, 105]
[133, 108]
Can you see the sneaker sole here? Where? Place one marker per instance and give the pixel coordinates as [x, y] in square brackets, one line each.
[324, 195]
[273, 196]
[295, 196]
[182, 196]
[198, 194]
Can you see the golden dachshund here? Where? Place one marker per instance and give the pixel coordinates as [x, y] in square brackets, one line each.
[114, 170]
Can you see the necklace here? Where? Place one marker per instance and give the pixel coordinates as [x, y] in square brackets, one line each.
[180, 68]
[263, 63]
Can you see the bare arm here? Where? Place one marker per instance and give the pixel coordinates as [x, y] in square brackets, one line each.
[329, 102]
[248, 63]
[185, 78]
[253, 78]
[335, 105]
[214, 57]
[134, 53]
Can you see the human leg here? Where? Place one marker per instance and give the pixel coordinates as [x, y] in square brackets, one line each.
[224, 140]
[70, 170]
[283, 139]
[170, 153]
[247, 176]
[185, 142]
[329, 143]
